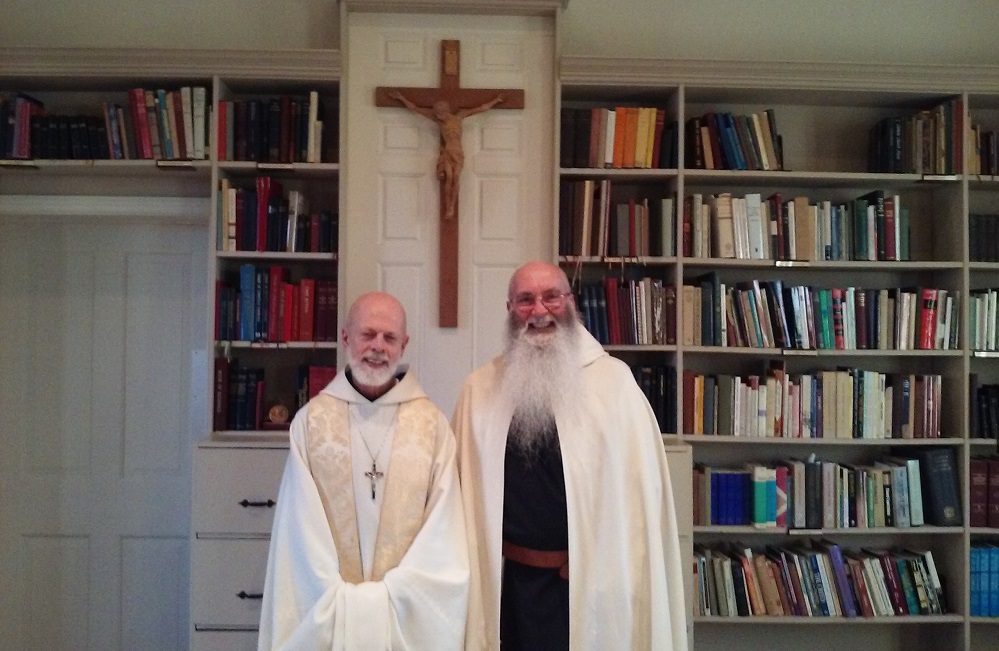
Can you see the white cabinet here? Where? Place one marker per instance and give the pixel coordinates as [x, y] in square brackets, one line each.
[235, 492]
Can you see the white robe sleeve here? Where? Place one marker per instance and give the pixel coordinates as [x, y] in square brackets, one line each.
[420, 604]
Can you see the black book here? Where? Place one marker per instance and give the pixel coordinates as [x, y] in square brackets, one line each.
[941, 495]
[567, 136]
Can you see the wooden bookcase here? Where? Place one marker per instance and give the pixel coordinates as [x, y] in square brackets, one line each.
[824, 114]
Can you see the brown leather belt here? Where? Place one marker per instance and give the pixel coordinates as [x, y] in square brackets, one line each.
[537, 558]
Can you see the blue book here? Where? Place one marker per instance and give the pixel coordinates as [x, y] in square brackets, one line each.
[247, 298]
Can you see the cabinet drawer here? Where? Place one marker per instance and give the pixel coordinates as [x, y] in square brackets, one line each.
[224, 641]
[235, 489]
[222, 569]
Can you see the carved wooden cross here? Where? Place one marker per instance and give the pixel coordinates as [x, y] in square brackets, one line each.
[460, 103]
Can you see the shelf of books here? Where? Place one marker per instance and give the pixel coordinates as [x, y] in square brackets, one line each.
[804, 283]
[276, 244]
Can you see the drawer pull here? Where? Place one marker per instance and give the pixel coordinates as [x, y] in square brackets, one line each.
[243, 594]
[268, 504]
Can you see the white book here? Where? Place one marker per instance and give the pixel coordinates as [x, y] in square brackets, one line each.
[297, 210]
[609, 138]
[199, 102]
[872, 235]
[754, 226]
[312, 147]
[792, 245]
[943, 321]
[668, 226]
[696, 208]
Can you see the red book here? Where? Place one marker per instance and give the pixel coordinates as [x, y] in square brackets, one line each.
[179, 134]
[322, 298]
[782, 496]
[669, 302]
[296, 312]
[688, 402]
[978, 500]
[287, 310]
[993, 514]
[278, 275]
[613, 317]
[891, 252]
[140, 122]
[837, 317]
[307, 315]
[927, 319]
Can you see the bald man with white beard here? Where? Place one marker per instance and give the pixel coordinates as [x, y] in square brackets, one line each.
[572, 530]
[368, 548]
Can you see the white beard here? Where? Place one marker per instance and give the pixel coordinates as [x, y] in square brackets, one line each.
[370, 377]
[540, 378]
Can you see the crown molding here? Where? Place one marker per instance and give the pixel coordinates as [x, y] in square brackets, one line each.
[610, 71]
[493, 7]
[50, 64]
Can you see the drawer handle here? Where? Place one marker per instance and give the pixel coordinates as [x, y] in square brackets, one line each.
[268, 504]
[243, 594]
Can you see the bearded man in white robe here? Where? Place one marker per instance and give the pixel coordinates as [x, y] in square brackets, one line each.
[572, 530]
[368, 548]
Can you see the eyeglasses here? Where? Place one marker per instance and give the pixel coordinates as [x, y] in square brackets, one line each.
[552, 300]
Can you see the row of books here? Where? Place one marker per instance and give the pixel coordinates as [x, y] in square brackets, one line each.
[847, 403]
[815, 494]
[593, 223]
[264, 305]
[242, 400]
[658, 383]
[629, 311]
[983, 494]
[725, 141]
[983, 238]
[818, 579]
[767, 314]
[982, 319]
[928, 142]
[618, 137]
[262, 218]
[983, 412]
[984, 580]
[279, 129]
[872, 227]
[984, 155]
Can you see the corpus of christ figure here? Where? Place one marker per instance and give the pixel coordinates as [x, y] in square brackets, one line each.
[447, 106]
[451, 158]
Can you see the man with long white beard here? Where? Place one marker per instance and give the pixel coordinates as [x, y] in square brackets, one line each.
[572, 529]
[368, 549]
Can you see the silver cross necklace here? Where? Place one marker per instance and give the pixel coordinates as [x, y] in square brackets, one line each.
[374, 474]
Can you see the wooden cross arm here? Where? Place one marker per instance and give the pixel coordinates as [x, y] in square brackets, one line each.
[463, 98]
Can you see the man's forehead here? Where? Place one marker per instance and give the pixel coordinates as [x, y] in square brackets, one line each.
[538, 280]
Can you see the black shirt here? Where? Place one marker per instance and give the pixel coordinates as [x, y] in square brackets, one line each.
[534, 610]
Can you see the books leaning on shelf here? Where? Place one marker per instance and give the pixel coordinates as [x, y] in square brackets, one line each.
[658, 383]
[618, 137]
[846, 403]
[264, 305]
[635, 311]
[149, 124]
[770, 314]
[904, 490]
[983, 500]
[593, 222]
[872, 227]
[262, 218]
[983, 238]
[281, 129]
[983, 156]
[929, 142]
[724, 141]
[815, 579]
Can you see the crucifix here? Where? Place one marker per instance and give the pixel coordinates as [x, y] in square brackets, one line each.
[448, 105]
[374, 475]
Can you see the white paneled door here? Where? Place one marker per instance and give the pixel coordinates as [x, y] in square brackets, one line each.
[391, 209]
[102, 376]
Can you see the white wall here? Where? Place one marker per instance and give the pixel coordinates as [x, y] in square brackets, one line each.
[898, 31]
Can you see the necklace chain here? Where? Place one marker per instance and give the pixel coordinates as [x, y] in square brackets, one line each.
[374, 474]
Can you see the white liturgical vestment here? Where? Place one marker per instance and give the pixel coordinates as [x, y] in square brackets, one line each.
[368, 548]
[625, 576]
